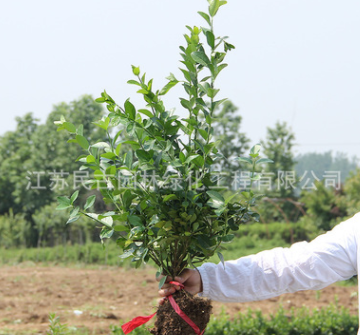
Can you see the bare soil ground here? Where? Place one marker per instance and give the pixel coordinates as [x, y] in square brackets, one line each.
[97, 298]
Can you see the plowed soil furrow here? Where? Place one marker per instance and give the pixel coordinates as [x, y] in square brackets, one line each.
[98, 298]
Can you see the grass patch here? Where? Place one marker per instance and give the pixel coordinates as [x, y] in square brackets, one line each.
[248, 240]
[332, 320]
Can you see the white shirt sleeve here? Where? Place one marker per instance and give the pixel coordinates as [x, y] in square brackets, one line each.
[329, 258]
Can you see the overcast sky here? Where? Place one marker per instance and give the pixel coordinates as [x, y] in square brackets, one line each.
[295, 60]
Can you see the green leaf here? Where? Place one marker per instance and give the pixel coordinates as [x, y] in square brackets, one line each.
[211, 92]
[111, 213]
[90, 159]
[199, 161]
[204, 241]
[110, 171]
[82, 141]
[100, 100]
[142, 155]
[90, 201]
[128, 197]
[146, 112]
[210, 39]
[214, 203]
[228, 47]
[130, 110]
[64, 202]
[228, 238]
[127, 253]
[103, 123]
[60, 122]
[191, 121]
[220, 210]
[107, 221]
[246, 195]
[118, 148]
[167, 87]
[221, 257]
[106, 232]
[200, 57]
[162, 282]
[134, 82]
[130, 129]
[134, 145]
[213, 7]
[129, 159]
[135, 220]
[216, 104]
[143, 91]
[171, 77]
[221, 67]
[206, 17]
[158, 273]
[98, 175]
[121, 228]
[170, 197]
[101, 145]
[176, 163]
[233, 226]
[122, 217]
[74, 212]
[182, 157]
[149, 144]
[109, 155]
[264, 161]
[69, 127]
[80, 130]
[186, 74]
[216, 197]
[73, 219]
[190, 158]
[199, 145]
[74, 197]
[255, 149]
[244, 159]
[228, 199]
[136, 70]
[185, 103]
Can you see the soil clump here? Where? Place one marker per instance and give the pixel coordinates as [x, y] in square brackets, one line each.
[168, 322]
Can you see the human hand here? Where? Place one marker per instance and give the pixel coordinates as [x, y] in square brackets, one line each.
[191, 280]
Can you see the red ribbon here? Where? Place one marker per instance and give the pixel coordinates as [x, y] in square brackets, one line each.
[136, 322]
[184, 316]
[140, 320]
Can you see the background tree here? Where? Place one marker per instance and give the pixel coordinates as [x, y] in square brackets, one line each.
[278, 146]
[352, 192]
[16, 152]
[36, 162]
[233, 143]
[324, 205]
[280, 176]
[13, 230]
[318, 164]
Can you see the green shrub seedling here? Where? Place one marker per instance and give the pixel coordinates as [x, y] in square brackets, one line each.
[164, 195]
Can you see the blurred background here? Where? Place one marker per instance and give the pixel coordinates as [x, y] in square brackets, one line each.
[292, 85]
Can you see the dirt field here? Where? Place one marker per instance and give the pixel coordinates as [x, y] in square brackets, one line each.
[98, 298]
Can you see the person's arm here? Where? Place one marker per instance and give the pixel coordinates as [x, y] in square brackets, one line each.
[329, 258]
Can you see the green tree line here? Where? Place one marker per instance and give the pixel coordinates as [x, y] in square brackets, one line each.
[37, 165]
